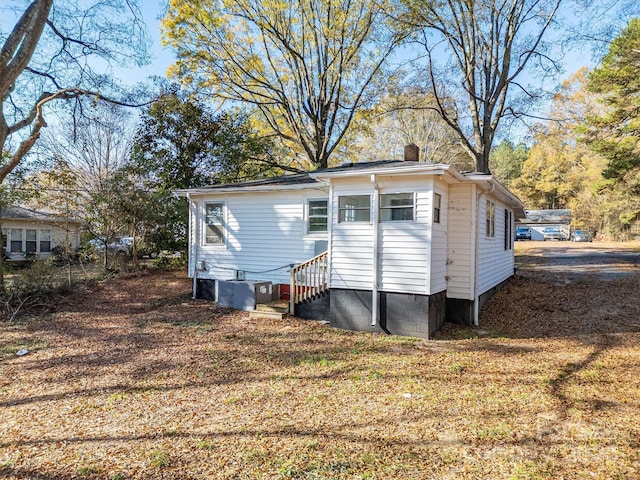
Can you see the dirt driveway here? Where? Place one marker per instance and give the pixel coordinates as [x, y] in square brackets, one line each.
[565, 289]
[576, 261]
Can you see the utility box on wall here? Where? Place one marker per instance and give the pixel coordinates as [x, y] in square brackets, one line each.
[243, 294]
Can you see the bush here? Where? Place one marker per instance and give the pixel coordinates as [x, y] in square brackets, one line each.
[36, 279]
[7, 266]
[29, 290]
[171, 262]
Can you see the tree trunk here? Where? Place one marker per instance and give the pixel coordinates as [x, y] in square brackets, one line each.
[1, 253]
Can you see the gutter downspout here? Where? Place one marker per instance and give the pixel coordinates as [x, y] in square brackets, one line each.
[193, 207]
[476, 294]
[376, 247]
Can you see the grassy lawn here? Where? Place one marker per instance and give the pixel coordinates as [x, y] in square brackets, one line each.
[130, 379]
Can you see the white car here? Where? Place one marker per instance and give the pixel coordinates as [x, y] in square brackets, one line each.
[122, 245]
[552, 233]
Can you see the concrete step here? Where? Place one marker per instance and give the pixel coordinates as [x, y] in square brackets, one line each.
[263, 314]
[274, 307]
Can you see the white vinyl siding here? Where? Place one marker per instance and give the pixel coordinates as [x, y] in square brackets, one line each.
[438, 261]
[495, 264]
[352, 256]
[403, 257]
[265, 233]
[351, 243]
[461, 235]
[403, 246]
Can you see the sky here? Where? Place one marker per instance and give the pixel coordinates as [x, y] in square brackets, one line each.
[162, 58]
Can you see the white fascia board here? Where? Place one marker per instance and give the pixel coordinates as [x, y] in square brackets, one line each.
[489, 183]
[249, 189]
[426, 168]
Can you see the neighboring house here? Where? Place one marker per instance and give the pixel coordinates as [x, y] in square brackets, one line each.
[29, 232]
[538, 220]
[408, 244]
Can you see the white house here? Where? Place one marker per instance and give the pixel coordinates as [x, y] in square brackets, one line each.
[28, 232]
[394, 246]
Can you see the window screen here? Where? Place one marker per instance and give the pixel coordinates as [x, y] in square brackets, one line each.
[354, 208]
[491, 219]
[214, 229]
[45, 241]
[396, 207]
[317, 216]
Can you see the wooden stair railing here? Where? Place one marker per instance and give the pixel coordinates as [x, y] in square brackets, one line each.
[308, 280]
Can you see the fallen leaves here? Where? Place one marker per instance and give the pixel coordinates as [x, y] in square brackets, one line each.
[135, 380]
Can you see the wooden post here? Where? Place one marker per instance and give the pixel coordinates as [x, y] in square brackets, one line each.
[292, 292]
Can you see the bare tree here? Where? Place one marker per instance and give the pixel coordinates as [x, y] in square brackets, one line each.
[48, 55]
[475, 52]
[96, 145]
[409, 117]
[307, 65]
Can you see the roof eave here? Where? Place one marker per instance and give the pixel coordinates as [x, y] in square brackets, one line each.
[262, 188]
[500, 190]
[427, 168]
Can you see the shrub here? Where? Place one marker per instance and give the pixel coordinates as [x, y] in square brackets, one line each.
[38, 278]
[28, 291]
[171, 262]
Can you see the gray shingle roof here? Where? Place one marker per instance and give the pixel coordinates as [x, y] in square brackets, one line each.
[283, 180]
[21, 213]
[304, 178]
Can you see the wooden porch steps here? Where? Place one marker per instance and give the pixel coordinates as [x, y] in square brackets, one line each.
[275, 310]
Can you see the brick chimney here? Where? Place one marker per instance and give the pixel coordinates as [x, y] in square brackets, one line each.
[411, 153]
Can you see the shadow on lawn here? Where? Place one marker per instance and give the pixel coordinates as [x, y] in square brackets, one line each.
[150, 356]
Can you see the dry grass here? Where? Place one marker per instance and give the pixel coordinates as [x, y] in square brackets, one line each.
[132, 379]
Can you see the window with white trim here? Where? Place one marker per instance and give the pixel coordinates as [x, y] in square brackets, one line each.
[317, 216]
[437, 201]
[27, 240]
[396, 207]
[214, 223]
[31, 243]
[45, 241]
[354, 208]
[491, 219]
[16, 240]
[508, 232]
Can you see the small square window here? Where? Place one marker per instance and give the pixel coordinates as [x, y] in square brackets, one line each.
[396, 207]
[354, 208]
[317, 221]
[214, 228]
[437, 200]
